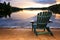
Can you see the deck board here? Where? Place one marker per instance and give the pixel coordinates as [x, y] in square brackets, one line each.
[27, 34]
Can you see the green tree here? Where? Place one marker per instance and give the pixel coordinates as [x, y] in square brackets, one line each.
[55, 8]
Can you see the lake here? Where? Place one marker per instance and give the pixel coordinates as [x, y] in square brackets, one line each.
[23, 18]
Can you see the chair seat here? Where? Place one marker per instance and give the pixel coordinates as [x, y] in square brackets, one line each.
[35, 25]
[42, 32]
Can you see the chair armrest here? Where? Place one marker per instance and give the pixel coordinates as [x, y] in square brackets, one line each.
[50, 21]
[32, 21]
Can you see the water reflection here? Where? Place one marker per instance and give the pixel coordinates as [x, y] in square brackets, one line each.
[23, 18]
[25, 14]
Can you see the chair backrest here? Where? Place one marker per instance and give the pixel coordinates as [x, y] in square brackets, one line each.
[43, 18]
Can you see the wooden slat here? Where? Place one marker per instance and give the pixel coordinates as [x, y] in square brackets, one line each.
[27, 34]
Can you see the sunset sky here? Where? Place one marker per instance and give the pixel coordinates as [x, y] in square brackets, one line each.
[31, 3]
[25, 16]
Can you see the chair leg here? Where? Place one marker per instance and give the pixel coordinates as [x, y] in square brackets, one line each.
[49, 31]
[32, 28]
[35, 31]
[44, 29]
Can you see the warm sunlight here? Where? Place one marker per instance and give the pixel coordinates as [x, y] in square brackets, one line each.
[28, 3]
[23, 18]
[35, 5]
[29, 19]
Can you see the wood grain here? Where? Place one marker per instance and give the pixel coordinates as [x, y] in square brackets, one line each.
[27, 34]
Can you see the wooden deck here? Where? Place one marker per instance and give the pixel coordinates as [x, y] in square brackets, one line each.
[27, 34]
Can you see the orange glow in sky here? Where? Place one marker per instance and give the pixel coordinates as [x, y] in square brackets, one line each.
[29, 3]
[25, 4]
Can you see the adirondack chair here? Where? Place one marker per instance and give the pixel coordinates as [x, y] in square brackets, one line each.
[41, 23]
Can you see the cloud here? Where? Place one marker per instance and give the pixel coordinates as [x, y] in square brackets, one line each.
[45, 1]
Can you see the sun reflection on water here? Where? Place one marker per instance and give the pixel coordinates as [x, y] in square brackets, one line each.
[25, 14]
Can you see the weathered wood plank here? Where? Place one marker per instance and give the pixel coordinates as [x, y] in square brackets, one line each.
[27, 34]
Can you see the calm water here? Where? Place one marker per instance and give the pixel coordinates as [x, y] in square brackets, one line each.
[23, 18]
[20, 19]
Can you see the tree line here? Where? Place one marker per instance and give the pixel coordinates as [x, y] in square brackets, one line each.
[6, 9]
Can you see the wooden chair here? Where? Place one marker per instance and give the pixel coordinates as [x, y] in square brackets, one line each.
[41, 23]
